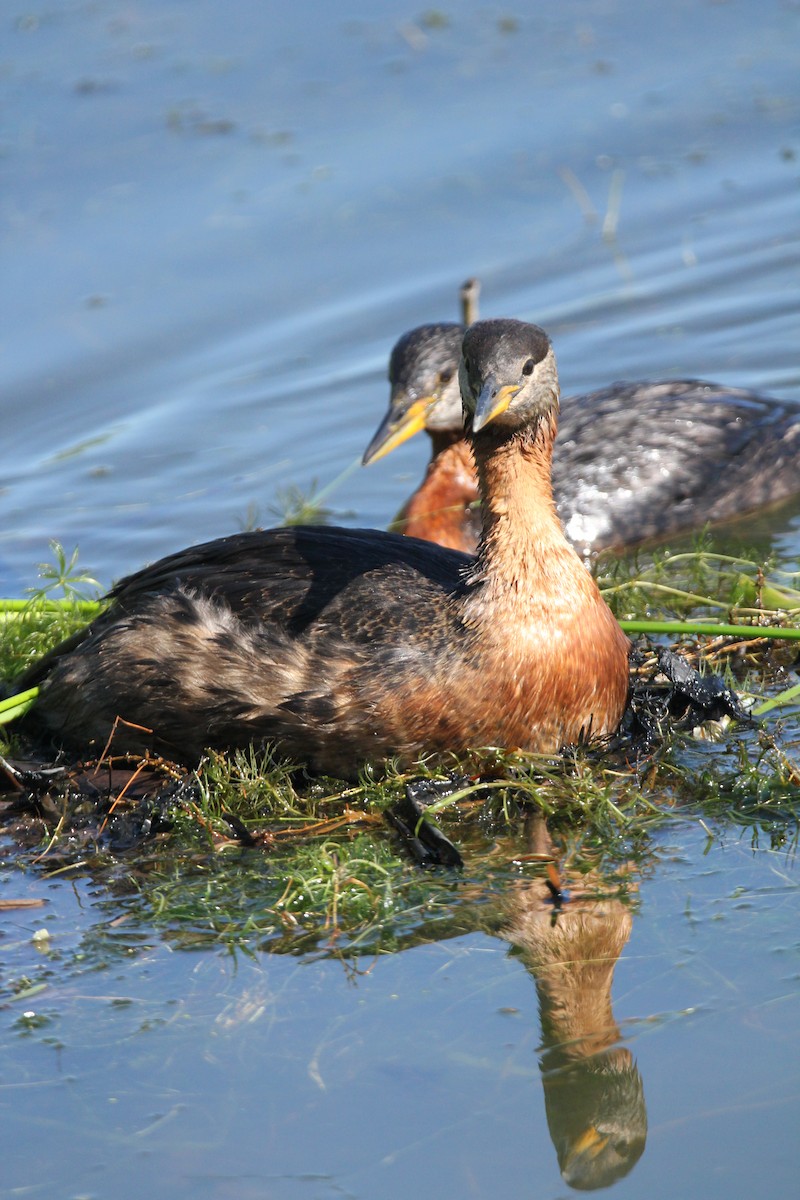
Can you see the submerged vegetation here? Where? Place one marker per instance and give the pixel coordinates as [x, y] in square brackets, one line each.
[257, 849]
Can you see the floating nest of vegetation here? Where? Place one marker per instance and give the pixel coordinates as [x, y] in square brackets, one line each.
[711, 728]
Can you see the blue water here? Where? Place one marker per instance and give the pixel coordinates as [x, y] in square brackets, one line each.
[214, 222]
[142, 1068]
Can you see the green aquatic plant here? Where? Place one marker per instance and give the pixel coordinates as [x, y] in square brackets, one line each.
[298, 507]
[64, 600]
[354, 883]
[702, 581]
[712, 629]
[62, 575]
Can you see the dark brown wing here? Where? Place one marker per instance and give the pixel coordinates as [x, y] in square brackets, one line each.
[301, 582]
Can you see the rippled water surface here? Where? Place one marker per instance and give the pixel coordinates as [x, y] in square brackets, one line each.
[144, 1067]
[214, 222]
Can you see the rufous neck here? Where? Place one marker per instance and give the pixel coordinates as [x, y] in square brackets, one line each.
[520, 524]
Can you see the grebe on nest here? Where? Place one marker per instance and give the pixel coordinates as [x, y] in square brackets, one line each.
[344, 646]
[633, 462]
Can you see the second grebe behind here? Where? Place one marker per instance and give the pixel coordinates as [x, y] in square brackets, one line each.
[633, 461]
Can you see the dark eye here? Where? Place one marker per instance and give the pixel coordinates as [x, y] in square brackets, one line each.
[528, 368]
[445, 377]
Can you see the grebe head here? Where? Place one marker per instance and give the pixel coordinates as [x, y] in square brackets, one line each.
[423, 373]
[507, 375]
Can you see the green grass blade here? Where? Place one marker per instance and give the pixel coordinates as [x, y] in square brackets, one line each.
[16, 706]
[790, 694]
[710, 629]
[88, 608]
